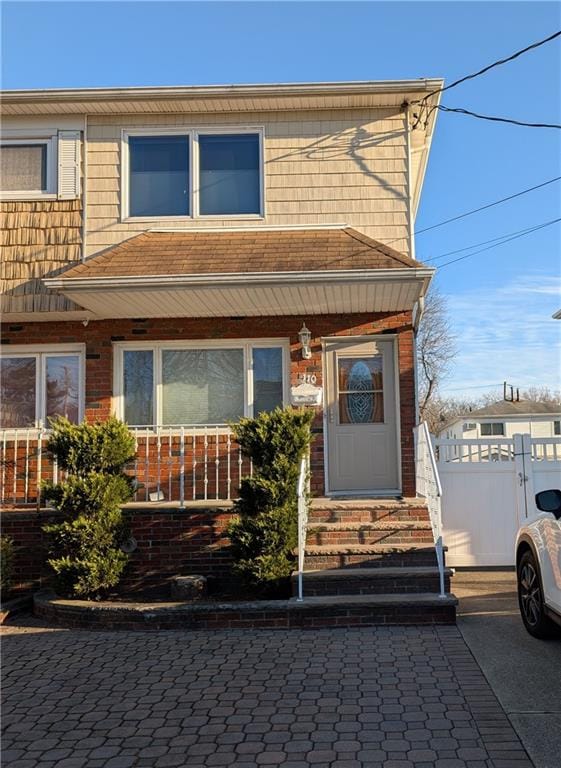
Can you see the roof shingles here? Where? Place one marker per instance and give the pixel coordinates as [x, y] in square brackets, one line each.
[234, 252]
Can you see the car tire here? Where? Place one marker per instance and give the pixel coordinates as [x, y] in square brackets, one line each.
[530, 598]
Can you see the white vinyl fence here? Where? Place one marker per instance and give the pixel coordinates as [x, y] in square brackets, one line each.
[488, 491]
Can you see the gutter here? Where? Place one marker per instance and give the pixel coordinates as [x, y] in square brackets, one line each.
[235, 279]
[218, 91]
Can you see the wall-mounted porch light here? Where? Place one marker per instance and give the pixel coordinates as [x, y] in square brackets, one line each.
[305, 336]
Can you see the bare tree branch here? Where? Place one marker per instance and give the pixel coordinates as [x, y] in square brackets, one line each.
[436, 348]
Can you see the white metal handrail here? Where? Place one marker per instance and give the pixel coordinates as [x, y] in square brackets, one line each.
[302, 495]
[174, 463]
[429, 486]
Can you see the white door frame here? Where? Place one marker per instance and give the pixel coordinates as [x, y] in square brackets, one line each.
[393, 337]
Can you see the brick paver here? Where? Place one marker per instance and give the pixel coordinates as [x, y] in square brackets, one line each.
[399, 697]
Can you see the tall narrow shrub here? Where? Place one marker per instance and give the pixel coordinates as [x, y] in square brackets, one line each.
[6, 565]
[265, 532]
[84, 549]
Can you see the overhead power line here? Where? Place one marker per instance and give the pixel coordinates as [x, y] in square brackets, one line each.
[492, 118]
[503, 242]
[483, 242]
[497, 63]
[484, 207]
[477, 386]
[477, 210]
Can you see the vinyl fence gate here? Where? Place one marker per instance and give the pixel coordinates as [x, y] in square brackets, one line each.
[488, 491]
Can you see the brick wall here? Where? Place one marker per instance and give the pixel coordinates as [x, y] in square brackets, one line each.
[100, 335]
[170, 542]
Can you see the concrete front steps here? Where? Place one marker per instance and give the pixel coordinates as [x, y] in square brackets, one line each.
[377, 555]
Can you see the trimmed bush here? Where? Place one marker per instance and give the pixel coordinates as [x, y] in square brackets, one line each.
[6, 564]
[84, 549]
[265, 532]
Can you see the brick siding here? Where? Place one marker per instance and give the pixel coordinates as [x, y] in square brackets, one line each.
[99, 336]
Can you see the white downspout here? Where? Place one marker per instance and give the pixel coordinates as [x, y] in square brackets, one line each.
[84, 186]
[410, 216]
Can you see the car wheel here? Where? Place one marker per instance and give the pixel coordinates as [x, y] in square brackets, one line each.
[530, 598]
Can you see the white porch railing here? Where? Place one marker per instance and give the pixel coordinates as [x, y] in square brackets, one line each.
[303, 503]
[429, 487]
[173, 463]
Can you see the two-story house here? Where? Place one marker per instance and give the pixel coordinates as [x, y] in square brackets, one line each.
[184, 256]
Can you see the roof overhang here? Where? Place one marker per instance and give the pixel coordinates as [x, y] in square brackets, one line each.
[210, 98]
[249, 295]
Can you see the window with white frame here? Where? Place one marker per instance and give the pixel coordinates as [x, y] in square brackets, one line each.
[557, 427]
[492, 428]
[199, 384]
[39, 384]
[41, 166]
[194, 173]
[27, 167]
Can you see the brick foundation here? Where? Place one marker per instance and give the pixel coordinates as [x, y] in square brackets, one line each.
[170, 542]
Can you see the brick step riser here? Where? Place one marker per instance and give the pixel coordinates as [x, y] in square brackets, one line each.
[371, 586]
[398, 559]
[396, 538]
[319, 516]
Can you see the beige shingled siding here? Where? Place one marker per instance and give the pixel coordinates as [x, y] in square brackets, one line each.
[37, 238]
[336, 166]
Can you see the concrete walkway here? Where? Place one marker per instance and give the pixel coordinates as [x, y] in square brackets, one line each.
[524, 673]
[400, 697]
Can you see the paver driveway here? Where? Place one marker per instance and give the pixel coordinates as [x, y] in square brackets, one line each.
[392, 697]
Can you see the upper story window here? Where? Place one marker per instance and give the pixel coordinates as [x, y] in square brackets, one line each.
[27, 168]
[159, 175]
[229, 178]
[492, 428]
[557, 427]
[193, 173]
[40, 167]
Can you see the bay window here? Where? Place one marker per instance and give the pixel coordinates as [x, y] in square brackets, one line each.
[172, 384]
[38, 385]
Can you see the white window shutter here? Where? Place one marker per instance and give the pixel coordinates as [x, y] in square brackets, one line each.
[68, 165]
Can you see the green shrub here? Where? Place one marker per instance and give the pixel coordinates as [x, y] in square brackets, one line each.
[265, 532]
[6, 564]
[84, 548]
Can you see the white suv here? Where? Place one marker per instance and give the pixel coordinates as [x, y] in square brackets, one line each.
[538, 566]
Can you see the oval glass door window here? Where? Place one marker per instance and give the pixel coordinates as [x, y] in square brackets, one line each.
[361, 399]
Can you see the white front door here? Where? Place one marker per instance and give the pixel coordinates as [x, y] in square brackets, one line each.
[361, 416]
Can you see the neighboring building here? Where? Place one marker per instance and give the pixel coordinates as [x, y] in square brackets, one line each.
[505, 419]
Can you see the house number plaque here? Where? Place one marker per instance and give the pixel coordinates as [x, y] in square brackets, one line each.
[306, 393]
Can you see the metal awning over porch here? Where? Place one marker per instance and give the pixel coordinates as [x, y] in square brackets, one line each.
[258, 272]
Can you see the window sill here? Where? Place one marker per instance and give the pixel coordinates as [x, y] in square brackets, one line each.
[23, 196]
[191, 219]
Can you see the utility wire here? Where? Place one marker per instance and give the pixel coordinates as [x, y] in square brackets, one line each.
[461, 111]
[489, 247]
[483, 242]
[478, 386]
[477, 210]
[489, 205]
[498, 63]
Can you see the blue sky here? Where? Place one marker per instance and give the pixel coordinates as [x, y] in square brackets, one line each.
[501, 300]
